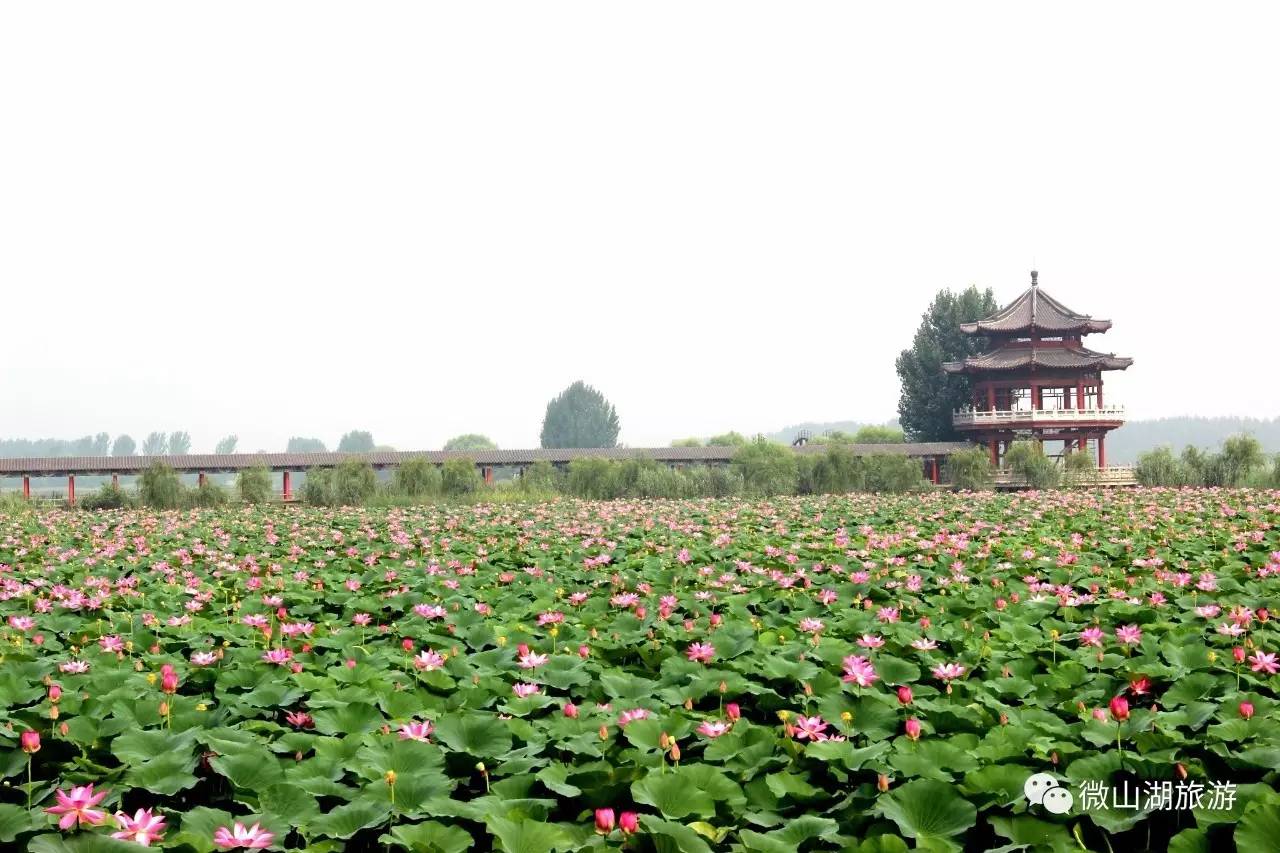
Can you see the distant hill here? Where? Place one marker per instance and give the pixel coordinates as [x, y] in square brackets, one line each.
[1124, 444]
[787, 434]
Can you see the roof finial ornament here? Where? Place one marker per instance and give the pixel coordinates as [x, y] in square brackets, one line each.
[1034, 276]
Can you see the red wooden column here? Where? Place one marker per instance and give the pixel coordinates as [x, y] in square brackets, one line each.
[995, 452]
[991, 398]
[1099, 393]
[1036, 396]
[933, 470]
[1079, 393]
[71, 489]
[286, 489]
[1102, 447]
[26, 486]
[487, 471]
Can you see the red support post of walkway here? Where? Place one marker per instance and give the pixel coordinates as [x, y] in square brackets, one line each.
[115, 481]
[933, 470]
[487, 471]
[995, 453]
[26, 487]
[1102, 448]
[200, 479]
[287, 490]
[71, 489]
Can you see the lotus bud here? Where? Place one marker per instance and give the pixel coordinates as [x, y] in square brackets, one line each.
[1238, 654]
[1119, 709]
[912, 728]
[882, 783]
[30, 741]
[55, 693]
[629, 822]
[570, 710]
[604, 821]
[732, 711]
[1181, 770]
[1246, 710]
[604, 733]
[904, 695]
[675, 751]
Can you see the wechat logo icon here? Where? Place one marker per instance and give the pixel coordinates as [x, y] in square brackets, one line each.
[1043, 790]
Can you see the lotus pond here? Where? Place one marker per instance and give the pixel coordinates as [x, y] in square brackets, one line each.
[864, 673]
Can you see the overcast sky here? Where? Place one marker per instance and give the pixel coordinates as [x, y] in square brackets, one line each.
[425, 219]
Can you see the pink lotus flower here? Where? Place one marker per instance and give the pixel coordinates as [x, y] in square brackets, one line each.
[1091, 636]
[812, 728]
[277, 656]
[858, 670]
[870, 641]
[949, 671]
[416, 731]
[713, 728]
[634, 714]
[700, 652]
[77, 807]
[143, 828]
[428, 660]
[1264, 662]
[21, 623]
[111, 643]
[524, 689]
[1129, 635]
[532, 660]
[299, 719]
[1119, 709]
[74, 667]
[240, 837]
[204, 658]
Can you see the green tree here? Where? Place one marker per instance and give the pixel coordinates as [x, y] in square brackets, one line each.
[767, 468]
[356, 441]
[254, 485]
[354, 482]
[1079, 469]
[459, 477]
[970, 469]
[879, 435]
[1240, 455]
[837, 471]
[317, 489]
[1028, 463]
[580, 416]
[592, 478]
[155, 444]
[929, 395]
[540, 478]
[124, 446]
[892, 472]
[159, 487]
[470, 441]
[417, 478]
[179, 443]
[687, 442]
[728, 439]
[300, 444]
[1160, 467]
[227, 445]
[209, 494]
[101, 444]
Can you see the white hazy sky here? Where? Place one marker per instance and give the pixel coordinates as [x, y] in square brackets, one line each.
[425, 219]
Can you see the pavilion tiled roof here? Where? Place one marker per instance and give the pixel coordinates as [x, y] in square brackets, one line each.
[1016, 357]
[1036, 311]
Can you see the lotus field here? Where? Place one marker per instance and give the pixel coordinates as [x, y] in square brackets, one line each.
[865, 673]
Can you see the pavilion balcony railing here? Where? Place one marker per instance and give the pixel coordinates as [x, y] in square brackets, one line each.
[1001, 417]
